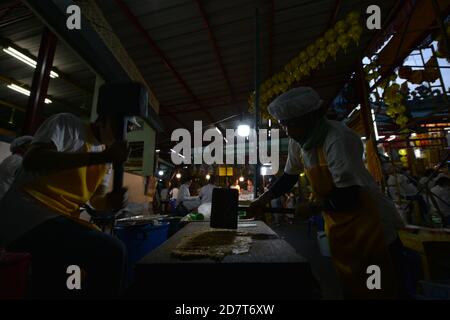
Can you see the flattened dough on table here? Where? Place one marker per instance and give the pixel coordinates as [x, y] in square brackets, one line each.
[215, 244]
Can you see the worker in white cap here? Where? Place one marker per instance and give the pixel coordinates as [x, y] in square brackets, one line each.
[361, 223]
[10, 165]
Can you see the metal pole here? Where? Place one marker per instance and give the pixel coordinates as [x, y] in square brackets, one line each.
[424, 68]
[41, 78]
[441, 79]
[257, 93]
[441, 24]
[365, 103]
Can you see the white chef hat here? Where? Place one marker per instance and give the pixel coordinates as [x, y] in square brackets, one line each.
[295, 103]
[19, 142]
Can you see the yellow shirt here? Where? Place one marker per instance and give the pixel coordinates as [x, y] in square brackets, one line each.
[64, 191]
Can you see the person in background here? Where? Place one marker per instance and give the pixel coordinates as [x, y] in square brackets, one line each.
[250, 187]
[426, 182]
[206, 191]
[289, 204]
[360, 221]
[236, 186]
[164, 196]
[10, 166]
[441, 190]
[186, 203]
[401, 190]
[173, 193]
[67, 165]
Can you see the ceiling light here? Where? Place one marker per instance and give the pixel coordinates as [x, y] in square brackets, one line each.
[178, 176]
[243, 130]
[241, 179]
[25, 92]
[161, 173]
[391, 138]
[25, 59]
[208, 177]
[263, 171]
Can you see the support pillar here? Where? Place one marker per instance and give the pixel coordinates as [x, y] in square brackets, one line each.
[41, 78]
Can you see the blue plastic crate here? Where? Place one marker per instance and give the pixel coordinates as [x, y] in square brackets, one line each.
[141, 239]
[436, 290]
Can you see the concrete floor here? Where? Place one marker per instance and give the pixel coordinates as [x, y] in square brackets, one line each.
[296, 235]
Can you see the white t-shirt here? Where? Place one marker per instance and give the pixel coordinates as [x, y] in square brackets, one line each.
[8, 171]
[174, 194]
[444, 194]
[18, 212]
[184, 196]
[343, 150]
[205, 193]
[404, 188]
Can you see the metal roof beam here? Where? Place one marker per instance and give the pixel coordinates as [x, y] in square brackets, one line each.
[334, 15]
[8, 43]
[86, 42]
[217, 54]
[8, 80]
[138, 26]
[271, 27]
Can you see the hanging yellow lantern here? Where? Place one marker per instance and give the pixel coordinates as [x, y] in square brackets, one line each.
[295, 62]
[340, 27]
[330, 36]
[343, 41]
[288, 68]
[355, 33]
[404, 160]
[306, 69]
[297, 75]
[332, 50]
[291, 78]
[322, 56]
[311, 50]
[401, 109]
[402, 152]
[313, 63]
[303, 56]
[276, 78]
[353, 18]
[321, 43]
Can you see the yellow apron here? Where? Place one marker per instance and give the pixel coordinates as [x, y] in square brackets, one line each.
[64, 191]
[355, 238]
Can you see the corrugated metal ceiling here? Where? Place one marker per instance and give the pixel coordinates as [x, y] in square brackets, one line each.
[24, 30]
[179, 31]
[177, 28]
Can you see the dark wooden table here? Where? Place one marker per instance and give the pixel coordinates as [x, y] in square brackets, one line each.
[271, 269]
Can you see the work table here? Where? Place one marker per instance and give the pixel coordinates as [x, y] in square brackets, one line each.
[272, 250]
[268, 270]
